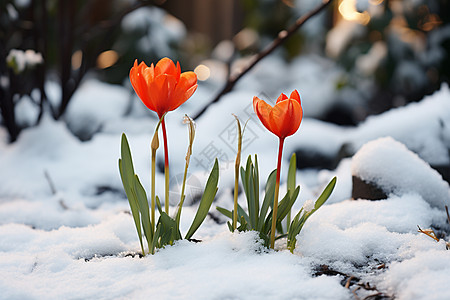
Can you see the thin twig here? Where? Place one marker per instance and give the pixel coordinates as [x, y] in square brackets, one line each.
[282, 37]
[50, 182]
[54, 191]
[428, 232]
[354, 292]
[347, 284]
[378, 295]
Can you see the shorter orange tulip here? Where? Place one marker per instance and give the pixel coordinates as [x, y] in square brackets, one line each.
[162, 88]
[284, 118]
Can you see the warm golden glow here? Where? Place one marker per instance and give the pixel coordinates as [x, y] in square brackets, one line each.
[415, 38]
[77, 58]
[245, 38]
[202, 72]
[107, 58]
[289, 3]
[376, 2]
[347, 8]
[431, 21]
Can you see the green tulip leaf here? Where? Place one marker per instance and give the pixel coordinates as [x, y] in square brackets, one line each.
[207, 198]
[268, 199]
[325, 194]
[144, 209]
[126, 171]
[225, 212]
[291, 181]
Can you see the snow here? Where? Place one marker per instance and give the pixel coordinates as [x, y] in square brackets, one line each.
[308, 206]
[23, 59]
[374, 158]
[4, 81]
[423, 283]
[26, 111]
[12, 12]
[159, 28]
[423, 127]
[88, 116]
[314, 69]
[110, 277]
[66, 231]
[435, 52]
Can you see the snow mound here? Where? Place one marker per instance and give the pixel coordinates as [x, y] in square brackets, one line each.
[158, 28]
[425, 282]
[93, 104]
[395, 169]
[424, 127]
[227, 266]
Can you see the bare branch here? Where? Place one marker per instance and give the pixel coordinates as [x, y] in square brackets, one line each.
[282, 37]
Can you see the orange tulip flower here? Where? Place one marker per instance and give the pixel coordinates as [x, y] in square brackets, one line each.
[162, 88]
[283, 120]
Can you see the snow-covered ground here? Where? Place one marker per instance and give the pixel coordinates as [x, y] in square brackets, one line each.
[66, 231]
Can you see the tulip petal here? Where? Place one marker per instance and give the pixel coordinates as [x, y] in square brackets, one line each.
[166, 66]
[186, 95]
[255, 101]
[162, 87]
[149, 73]
[160, 91]
[262, 110]
[293, 118]
[296, 96]
[282, 97]
[178, 71]
[285, 118]
[183, 91]
[190, 92]
[187, 80]
[140, 85]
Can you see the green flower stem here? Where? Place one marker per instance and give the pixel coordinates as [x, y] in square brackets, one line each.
[166, 166]
[153, 189]
[275, 200]
[154, 146]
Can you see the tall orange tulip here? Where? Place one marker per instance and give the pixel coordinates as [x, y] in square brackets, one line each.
[163, 88]
[283, 120]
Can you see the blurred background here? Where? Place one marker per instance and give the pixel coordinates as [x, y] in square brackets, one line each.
[357, 57]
